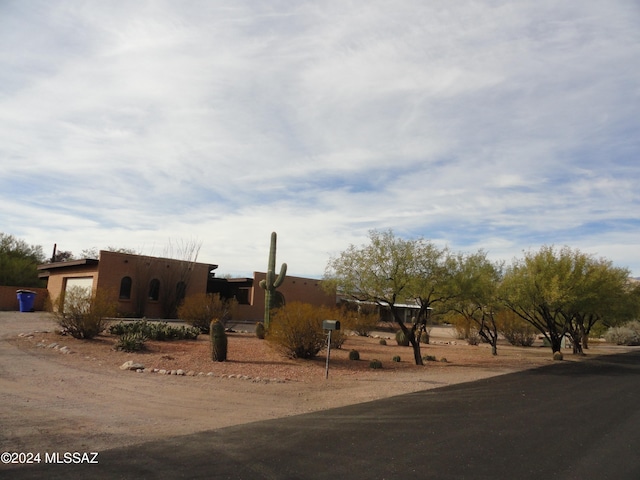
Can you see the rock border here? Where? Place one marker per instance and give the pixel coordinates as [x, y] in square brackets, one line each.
[140, 368]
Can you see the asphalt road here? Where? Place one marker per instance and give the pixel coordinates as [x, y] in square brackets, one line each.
[566, 421]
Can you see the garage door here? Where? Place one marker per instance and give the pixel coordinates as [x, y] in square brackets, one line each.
[82, 282]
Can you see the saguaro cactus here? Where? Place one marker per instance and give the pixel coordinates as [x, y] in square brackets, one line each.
[218, 338]
[271, 283]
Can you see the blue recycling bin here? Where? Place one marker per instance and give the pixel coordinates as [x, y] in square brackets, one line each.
[26, 299]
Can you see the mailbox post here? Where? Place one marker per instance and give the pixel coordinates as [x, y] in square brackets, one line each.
[329, 325]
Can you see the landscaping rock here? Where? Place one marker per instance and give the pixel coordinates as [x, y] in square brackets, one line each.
[131, 365]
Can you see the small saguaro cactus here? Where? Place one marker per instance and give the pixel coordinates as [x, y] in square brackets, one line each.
[271, 283]
[260, 333]
[402, 339]
[218, 339]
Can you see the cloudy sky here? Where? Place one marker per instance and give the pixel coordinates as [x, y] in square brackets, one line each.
[501, 125]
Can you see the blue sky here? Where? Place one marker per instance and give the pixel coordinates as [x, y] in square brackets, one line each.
[475, 124]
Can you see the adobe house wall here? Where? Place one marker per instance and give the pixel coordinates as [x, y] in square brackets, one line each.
[142, 270]
[58, 278]
[108, 272]
[294, 289]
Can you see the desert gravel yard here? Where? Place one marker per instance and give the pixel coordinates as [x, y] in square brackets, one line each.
[82, 401]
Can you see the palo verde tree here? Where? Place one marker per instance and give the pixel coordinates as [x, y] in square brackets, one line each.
[434, 268]
[540, 287]
[474, 294]
[388, 272]
[603, 293]
[563, 291]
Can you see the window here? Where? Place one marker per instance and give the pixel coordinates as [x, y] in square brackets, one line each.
[154, 290]
[125, 288]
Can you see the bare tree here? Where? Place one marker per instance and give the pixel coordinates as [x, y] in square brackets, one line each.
[175, 279]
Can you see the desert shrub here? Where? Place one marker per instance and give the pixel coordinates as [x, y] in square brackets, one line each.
[520, 339]
[515, 330]
[338, 337]
[473, 338]
[425, 338]
[444, 360]
[362, 321]
[296, 330]
[627, 334]
[382, 341]
[354, 355]
[557, 356]
[462, 325]
[198, 310]
[131, 342]
[160, 331]
[429, 358]
[396, 358]
[402, 338]
[82, 313]
[375, 364]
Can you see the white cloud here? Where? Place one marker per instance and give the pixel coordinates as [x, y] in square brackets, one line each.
[474, 124]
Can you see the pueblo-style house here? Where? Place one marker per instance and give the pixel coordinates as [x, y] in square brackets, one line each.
[153, 287]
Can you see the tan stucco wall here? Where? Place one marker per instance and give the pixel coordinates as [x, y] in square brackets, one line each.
[9, 298]
[113, 267]
[57, 281]
[294, 289]
[142, 269]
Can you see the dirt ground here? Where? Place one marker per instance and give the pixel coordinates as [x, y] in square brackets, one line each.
[83, 401]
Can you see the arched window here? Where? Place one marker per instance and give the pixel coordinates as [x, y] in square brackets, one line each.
[154, 290]
[125, 288]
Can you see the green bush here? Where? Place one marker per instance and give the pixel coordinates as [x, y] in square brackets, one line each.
[396, 359]
[375, 364]
[131, 342]
[425, 338]
[198, 310]
[354, 355]
[557, 356]
[296, 330]
[82, 313]
[429, 358]
[161, 331]
[382, 341]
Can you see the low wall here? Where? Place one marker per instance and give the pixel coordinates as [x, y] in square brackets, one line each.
[9, 298]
